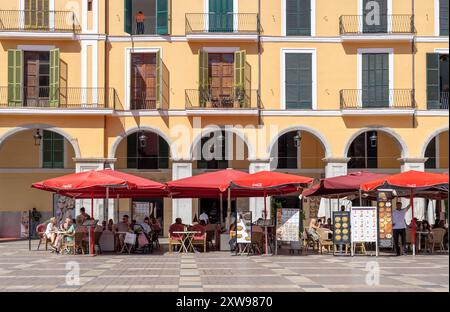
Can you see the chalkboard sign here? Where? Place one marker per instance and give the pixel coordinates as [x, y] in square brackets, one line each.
[342, 228]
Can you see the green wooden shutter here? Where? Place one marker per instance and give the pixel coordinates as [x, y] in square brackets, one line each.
[53, 150]
[203, 80]
[443, 18]
[163, 153]
[375, 80]
[298, 17]
[158, 80]
[298, 81]
[54, 77]
[132, 150]
[15, 77]
[239, 76]
[162, 17]
[221, 15]
[382, 27]
[127, 18]
[433, 81]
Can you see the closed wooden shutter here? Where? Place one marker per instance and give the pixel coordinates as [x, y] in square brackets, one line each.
[132, 150]
[15, 77]
[375, 80]
[127, 19]
[220, 15]
[433, 81]
[53, 150]
[158, 80]
[443, 18]
[162, 17]
[370, 17]
[298, 17]
[298, 80]
[54, 77]
[203, 82]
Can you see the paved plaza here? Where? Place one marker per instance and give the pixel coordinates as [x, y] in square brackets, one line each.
[22, 270]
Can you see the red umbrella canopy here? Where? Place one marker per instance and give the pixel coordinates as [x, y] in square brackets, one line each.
[269, 183]
[417, 180]
[205, 185]
[342, 185]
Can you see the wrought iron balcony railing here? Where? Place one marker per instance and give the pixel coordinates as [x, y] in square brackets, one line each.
[387, 24]
[443, 100]
[45, 21]
[377, 98]
[236, 99]
[58, 98]
[240, 23]
[143, 98]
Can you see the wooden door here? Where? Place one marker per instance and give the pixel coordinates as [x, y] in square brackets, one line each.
[143, 81]
[221, 71]
[36, 78]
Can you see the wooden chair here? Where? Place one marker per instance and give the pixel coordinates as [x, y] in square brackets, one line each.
[75, 243]
[155, 238]
[310, 242]
[408, 239]
[175, 239]
[43, 239]
[438, 239]
[200, 238]
[211, 230]
[257, 241]
[324, 241]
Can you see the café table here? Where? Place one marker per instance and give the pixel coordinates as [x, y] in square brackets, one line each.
[186, 241]
[124, 247]
[419, 239]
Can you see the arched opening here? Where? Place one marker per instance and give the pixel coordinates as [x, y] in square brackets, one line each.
[437, 152]
[29, 155]
[374, 149]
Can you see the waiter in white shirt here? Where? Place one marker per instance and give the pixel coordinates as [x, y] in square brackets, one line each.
[399, 225]
[204, 217]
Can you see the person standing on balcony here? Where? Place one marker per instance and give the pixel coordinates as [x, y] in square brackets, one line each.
[140, 19]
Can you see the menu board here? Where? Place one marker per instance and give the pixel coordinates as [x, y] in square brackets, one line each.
[385, 234]
[244, 228]
[288, 225]
[363, 224]
[342, 228]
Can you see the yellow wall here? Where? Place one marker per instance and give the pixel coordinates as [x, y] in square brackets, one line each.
[443, 150]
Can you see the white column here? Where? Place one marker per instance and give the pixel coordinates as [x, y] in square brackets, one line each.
[257, 203]
[417, 164]
[334, 167]
[182, 208]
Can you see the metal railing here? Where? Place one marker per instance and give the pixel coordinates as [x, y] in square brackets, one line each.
[45, 21]
[148, 27]
[243, 23]
[237, 99]
[389, 24]
[143, 98]
[443, 100]
[377, 98]
[58, 98]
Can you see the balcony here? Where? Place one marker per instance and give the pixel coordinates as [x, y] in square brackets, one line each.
[222, 27]
[238, 102]
[391, 27]
[38, 24]
[377, 101]
[62, 100]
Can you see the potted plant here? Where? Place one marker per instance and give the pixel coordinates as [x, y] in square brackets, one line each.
[239, 96]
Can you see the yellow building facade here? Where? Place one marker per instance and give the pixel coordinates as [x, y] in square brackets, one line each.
[156, 87]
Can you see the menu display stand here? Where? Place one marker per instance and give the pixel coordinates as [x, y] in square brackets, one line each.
[244, 232]
[386, 232]
[287, 226]
[364, 227]
[342, 231]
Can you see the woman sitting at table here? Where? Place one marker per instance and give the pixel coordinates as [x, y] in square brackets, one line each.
[51, 232]
[60, 234]
[312, 230]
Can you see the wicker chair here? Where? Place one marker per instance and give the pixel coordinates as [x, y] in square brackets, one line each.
[76, 243]
[438, 239]
[257, 242]
[200, 238]
[43, 239]
[175, 239]
[324, 241]
[310, 242]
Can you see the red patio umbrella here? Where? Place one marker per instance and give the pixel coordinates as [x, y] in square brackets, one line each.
[267, 183]
[412, 181]
[100, 184]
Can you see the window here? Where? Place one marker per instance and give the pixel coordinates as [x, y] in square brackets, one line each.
[147, 150]
[146, 17]
[298, 17]
[372, 24]
[375, 80]
[53, 150]
[363, 151]
[431, 154]
[437, 80]
[287, 152]
[298, 80]
[443, 17]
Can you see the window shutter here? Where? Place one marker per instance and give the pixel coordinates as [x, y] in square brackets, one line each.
[239, 76]
[163, 153]
[15, 76]
[298, 17]
[47, 161]
[203, 77]
[54, 77]
[375, 80]
[162, 17]
[433, 81]
[127, 19]
[382, 27]
[53, 150]
[158, 80]
[443, 18]
[132, 150]
[298, 84]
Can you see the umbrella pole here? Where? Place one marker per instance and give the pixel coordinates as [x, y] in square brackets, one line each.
[228, 209]
[265, 218]
[329, 205]
[118, 209]
[360, 198]
[106, 210]
[221, 209]
[91, 230]
[413, 223]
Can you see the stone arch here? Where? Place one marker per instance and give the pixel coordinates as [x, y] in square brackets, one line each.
[430, 137]
[67, 136]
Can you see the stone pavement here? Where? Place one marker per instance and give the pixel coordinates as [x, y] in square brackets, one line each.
[21, 270]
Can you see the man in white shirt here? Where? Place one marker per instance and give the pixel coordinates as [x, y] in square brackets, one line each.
[399, 225]
[204, 217]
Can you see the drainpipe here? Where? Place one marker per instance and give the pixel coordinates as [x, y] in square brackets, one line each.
[259, 63]
[413, 55]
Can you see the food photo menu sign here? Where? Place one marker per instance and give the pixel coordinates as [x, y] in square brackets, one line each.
[384, 204]
[364, 224]
[288, 225]
[342, 228]
[244, 227]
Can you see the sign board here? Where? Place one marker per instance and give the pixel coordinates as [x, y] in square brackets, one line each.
[342, 227]
[385, 233]
[364, 226]
[244, 228]
[288, 225]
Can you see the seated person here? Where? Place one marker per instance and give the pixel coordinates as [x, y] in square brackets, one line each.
[178, 226]
[233, 238]
[312, 229]
[70, 231]
[146, 225]
[63, 229]
[83, 216]
[122, 227]
[154, 224]
[104, 225]
[50, 232]
[110, 225]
